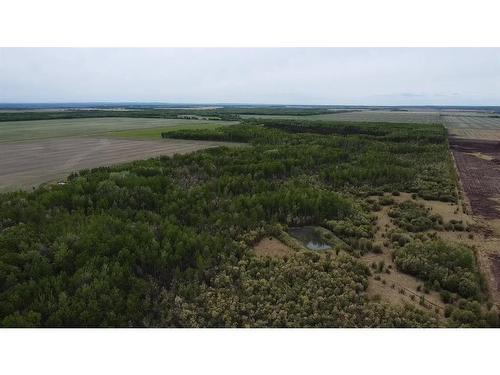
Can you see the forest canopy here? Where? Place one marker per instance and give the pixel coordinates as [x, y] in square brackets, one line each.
[168, 241]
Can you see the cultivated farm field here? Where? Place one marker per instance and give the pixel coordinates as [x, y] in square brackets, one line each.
[478, 126]
[471, 122]
[27, 164]
[484, 134]
[475, 144]
[14, 131]
[367, 116]
[41, 151]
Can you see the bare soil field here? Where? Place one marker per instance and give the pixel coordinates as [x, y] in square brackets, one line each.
[478, 162]
[24, 165]
[475, 145]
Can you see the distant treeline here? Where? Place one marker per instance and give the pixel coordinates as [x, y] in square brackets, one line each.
[283, 111]
[228, 114]
[160, 113]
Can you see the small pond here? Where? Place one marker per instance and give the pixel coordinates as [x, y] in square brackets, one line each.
[310, 237]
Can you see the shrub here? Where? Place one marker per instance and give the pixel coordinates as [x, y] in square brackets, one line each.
[414, 217]
[386, 200]
[377, 249]
[446, 296]
[471, 314]
[400, 238]
[380, 266]
[448, 310]
[453, 266]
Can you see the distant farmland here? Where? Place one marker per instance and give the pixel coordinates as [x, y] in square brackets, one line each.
[14, 131]
[368, 116]
[471, 122]
[473, 127]
[40, 151]
[27, 164]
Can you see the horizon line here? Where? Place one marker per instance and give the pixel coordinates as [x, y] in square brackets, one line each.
[110, 102]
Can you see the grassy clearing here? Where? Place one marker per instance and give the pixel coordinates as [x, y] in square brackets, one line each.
[15, 131]
[272, 247]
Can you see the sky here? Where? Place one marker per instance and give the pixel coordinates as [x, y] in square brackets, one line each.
[334, 76]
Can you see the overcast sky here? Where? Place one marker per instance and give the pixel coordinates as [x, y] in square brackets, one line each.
[371, 76]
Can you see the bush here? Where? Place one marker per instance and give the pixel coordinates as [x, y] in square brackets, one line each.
[377, 248]
[446, 296]
[380, 266]
[414, 217]
[448, 310]
[452, 266]
[471, 314]
[386, 200]
[400, 238]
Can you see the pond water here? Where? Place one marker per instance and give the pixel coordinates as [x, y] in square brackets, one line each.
[310, 238]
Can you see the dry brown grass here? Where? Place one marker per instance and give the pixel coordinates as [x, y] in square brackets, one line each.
[272, 247]
[483, 134]
[483, 236]
[395, 282]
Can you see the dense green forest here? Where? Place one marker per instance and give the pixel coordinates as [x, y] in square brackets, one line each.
[355, 157]
[168, 242]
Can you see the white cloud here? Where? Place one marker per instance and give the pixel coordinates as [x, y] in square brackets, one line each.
[377, 76]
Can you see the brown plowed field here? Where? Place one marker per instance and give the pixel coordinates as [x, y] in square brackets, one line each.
[475, 143]
[478, 162]
[24, 165]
